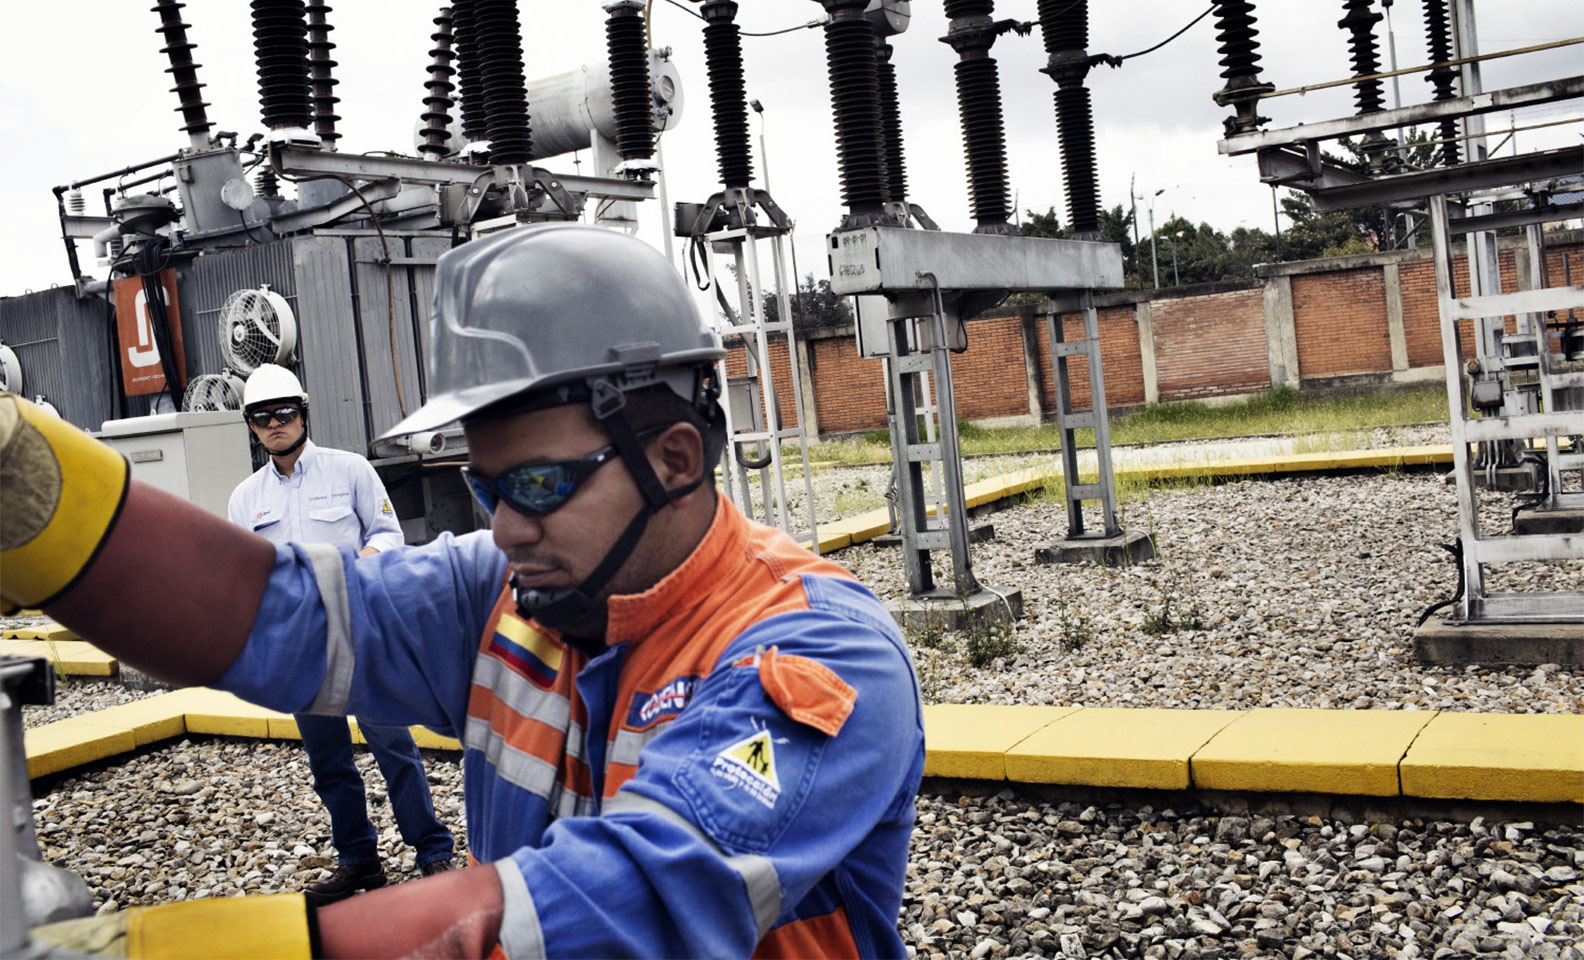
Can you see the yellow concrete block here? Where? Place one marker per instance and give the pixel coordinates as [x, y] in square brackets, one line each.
[1477, 756]
[216, 712]
[1002, 486]
[70, 743]
[429, 740]
[48, 630]
[71, 657]
[159, 717]
[1310, 751]
[829, 540]
[284, 727]
[971, 740]
[422, 736]
[1112, 747]
[861, 527]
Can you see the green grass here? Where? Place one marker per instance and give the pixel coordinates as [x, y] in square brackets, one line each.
[1283, 411]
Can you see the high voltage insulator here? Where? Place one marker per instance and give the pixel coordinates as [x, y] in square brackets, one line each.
[728, 100]
[472, 92]
[501, 71]
[437, 102]
[280, 45]
[890, 124]
[265, 183]
[1065, 28]
[1240, 58]
[971, 34]
[182, 68]
[855, 100]
[319, 72]
[1438, 34]
[629, 73]
[1359, 20]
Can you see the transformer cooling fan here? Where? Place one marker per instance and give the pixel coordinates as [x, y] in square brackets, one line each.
[10, 370]
[213, 391]
[256, 327]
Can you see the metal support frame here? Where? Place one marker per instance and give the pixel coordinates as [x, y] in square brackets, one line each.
[1478, 605]
[759, 421]
[921, 359]
[1070, 421]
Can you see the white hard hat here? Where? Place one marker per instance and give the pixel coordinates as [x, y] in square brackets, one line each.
[272, 382]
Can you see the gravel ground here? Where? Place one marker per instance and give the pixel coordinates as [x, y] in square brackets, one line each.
[74, 695]
[1298, 592]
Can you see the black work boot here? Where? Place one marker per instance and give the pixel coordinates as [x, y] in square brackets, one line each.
[349, 878]
[434, 867]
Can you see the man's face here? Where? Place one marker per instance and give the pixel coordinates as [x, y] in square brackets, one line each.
[277, 436]
[561, 548]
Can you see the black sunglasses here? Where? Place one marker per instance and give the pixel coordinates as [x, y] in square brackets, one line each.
[537, 489]
[262, 418]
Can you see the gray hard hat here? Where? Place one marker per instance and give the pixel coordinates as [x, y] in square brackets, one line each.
[549, 304]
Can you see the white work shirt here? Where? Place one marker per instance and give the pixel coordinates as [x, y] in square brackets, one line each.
[331, 497]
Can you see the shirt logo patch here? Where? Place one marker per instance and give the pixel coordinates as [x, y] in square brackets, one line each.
[665, 702]
[749, 764]
[385, 508]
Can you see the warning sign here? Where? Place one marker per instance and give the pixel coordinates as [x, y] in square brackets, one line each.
[141, 369]
[750, 765]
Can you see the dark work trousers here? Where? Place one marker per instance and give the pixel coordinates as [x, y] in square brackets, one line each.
[339, 785]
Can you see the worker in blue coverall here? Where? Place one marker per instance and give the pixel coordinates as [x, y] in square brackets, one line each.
[311, 494]
[684, 734]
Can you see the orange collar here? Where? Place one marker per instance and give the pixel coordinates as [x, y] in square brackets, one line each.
[633, 616]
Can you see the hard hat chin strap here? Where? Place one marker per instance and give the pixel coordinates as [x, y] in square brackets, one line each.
[561, 607]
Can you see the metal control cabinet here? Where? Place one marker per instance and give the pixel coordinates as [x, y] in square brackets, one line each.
[200, 456]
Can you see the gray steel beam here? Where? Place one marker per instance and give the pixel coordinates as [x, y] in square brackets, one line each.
[295, 160]
[1456, 179]
[1521, 301]
[890, 259]
[1519, 218]
[1280, 165]
[1491, 101]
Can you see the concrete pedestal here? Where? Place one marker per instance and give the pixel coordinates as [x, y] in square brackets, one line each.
[956, 613]
[1525, 644]
[1119, 551]
[1531, 520]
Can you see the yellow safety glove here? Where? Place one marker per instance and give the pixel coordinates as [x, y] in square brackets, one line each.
[236, 928]
[60, 492]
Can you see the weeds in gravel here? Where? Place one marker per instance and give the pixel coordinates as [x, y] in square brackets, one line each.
[931, 636]
[1163, 621]
[1075, 629]
[987, 641]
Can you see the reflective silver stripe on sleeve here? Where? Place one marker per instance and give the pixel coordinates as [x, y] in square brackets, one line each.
[758, 873]
[340, 659]
[630, 743]
[527, 700]
[515, 766]
[520, 933]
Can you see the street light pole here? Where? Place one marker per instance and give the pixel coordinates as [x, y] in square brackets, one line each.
[1154, 240]
[1176, 280]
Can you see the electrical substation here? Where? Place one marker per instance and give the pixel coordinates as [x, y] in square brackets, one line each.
[210, 271]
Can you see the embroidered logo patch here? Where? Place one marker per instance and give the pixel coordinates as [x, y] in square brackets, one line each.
[665, 702]
[749, 764]
[385, 508]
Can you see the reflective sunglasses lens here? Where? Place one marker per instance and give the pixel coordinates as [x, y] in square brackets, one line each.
[481, 491]
[262, 418]
[539, 489]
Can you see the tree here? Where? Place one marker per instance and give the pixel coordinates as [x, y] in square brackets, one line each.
[813, 307]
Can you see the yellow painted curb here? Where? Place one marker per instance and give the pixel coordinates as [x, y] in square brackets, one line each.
[49, 630]
[71, 657]
[151, 719]
[1384, 458]
[1474, 756]
[216, 712]
[1310, 751]
[971, 740]
[1117, 747]
[71, 743]
[427, 739]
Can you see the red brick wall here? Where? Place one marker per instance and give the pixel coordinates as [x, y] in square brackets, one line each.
[1211, 345]
[989, 375]
[1208, 345]
[1121, 359]
[786, 396]
[1340, 322]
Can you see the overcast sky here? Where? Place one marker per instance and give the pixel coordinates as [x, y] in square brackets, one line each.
[86, 93]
